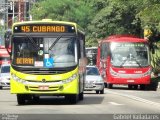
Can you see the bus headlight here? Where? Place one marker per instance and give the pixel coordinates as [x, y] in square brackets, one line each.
[147, 73]
[113, 73]
[18, 79]
[70, 79]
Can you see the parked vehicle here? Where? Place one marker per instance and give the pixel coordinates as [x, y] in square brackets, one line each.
[93, 80]
[5, 76]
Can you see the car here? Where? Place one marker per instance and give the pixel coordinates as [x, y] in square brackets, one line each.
[93, 80]
[5, 76]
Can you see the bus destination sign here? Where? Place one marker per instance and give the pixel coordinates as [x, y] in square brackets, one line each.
[44, 28]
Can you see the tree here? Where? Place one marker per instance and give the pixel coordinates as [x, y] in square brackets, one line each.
[67, 10]
[115, 17]
[101, 18]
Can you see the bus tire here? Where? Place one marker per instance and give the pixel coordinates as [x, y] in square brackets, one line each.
[130, 87]
[1, 87]
[135, 87]
[21, 99]
[81, 96]
[142, 87]
[110, 86]
[153, 85]
[72, 98]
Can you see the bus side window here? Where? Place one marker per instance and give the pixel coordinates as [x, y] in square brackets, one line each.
[104, 51]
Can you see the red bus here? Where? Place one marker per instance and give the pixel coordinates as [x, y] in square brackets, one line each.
[124, 59]
[4, 56]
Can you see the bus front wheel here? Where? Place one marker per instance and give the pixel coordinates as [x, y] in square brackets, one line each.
[21, 99]
[81, 96]
[110, 86]
[72, 98]
[142, 87]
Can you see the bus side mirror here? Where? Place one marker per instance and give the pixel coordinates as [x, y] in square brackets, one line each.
[7, 39]
[7, 43]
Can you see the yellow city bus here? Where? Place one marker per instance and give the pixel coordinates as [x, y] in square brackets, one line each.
[47, 58]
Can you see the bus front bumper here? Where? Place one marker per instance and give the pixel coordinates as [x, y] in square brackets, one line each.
[44, 88]
[144, 80]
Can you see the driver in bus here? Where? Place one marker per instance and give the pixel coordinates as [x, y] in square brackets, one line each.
[116, 59]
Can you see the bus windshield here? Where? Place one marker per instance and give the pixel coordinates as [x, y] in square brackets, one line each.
[129, 54]
[90, 52]
[34, 51]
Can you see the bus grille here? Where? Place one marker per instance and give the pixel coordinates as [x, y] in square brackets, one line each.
[130, 75]
[50, 89]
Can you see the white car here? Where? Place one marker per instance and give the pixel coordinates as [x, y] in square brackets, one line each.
[5, 76]
[94, 80]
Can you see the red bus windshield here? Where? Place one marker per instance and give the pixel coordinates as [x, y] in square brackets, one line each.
[129, 54]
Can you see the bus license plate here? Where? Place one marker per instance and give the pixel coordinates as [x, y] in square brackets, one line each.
[130, 80]
[43, 87]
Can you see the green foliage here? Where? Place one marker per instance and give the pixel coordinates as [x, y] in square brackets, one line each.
[150, 15]
[117, 17]
[101, 18]
[66, 10]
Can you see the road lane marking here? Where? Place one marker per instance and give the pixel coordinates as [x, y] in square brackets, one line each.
[135, 98]
[114, 103]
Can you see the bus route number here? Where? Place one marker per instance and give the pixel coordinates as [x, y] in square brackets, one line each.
[25, 28]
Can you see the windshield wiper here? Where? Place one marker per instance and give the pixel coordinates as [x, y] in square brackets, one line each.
[53, 44]
[129, 57]
[33, 43]
[137, 61]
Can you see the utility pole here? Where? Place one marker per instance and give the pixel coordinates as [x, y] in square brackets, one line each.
[19, 10]
[13, 13]
[6, 14]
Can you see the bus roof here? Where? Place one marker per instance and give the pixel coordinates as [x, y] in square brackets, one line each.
[123, 38]
[44, 21]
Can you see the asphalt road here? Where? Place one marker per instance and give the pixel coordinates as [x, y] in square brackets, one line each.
[113, 102]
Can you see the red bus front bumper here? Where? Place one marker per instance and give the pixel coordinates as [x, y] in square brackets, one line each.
[115, 80]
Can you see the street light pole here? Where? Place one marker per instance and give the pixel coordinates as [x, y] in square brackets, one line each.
[13, 13]
[19, 10]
